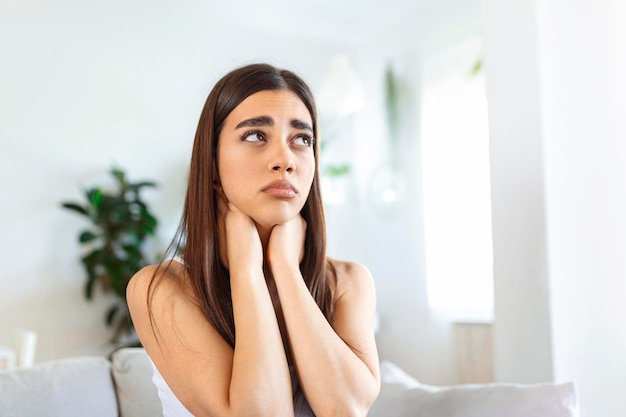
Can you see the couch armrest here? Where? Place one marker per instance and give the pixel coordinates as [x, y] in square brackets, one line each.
[132, 373]
[401, 395]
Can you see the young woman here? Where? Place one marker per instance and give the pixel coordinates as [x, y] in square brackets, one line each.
[253, 319]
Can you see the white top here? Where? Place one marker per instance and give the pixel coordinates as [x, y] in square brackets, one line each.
[172, 407]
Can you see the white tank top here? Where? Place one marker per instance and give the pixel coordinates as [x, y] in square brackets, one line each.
[172, 407]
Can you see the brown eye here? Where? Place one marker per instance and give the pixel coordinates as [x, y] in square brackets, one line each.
[303, 140]
[253, 137]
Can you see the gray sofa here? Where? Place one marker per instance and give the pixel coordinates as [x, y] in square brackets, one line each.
[122, 387]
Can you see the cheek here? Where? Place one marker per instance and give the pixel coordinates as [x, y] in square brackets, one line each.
[236, 177]
[228, 174]
[230, 180]
[308, 174]
[310, 167]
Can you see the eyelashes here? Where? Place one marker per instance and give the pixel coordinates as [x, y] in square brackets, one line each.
[253, 136]
[256, 136]
[306, 139]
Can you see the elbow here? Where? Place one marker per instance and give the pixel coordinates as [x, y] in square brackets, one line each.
[358, 407]
[247, 408]
[361, 408]
[262, 409]
[367, 398]
[345, 411]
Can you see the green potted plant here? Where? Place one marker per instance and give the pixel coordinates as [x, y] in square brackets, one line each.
[121, 221]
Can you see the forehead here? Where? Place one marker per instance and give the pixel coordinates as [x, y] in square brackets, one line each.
[274, 103]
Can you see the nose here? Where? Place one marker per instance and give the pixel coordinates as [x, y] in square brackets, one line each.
[286, 166]
[282, 159]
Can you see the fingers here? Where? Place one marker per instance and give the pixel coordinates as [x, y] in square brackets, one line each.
[287, 241]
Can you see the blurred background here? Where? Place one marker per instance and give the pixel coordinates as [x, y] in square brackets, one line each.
[474, 160]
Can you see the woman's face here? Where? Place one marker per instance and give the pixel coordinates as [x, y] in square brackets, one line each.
[265, 153]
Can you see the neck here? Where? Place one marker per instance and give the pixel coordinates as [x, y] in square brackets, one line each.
[264, 234]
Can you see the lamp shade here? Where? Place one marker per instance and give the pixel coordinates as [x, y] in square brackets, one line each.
[341, 92]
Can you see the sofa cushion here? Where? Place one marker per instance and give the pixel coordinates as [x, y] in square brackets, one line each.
[76, 387]
[132, 372]
[401, 395]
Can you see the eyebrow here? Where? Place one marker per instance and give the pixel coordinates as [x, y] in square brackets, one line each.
[268, 121]
[299, 124]
[256, 121]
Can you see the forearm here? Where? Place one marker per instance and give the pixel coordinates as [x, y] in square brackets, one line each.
[335, 379]
[260, 382]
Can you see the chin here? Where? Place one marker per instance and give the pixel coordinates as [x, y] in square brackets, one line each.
[275, 216]
[271, 221]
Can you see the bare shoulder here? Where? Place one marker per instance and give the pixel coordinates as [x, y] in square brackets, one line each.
[158, 297]
[139, 287]
[140, 283]
[157, 282]
[351, 277]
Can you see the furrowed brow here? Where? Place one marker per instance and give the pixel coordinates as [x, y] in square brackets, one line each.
[256, 121]
[299, 124]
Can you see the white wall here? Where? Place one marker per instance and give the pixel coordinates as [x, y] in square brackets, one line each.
[582, 67]
[85, 86]
[565, 101]
[522, 340]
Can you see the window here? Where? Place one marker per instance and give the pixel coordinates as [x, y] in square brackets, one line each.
[457, 204]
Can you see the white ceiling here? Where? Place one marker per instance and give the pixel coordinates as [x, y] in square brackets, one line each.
[345, 20]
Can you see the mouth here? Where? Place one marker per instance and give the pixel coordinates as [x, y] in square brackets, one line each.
[280, 189]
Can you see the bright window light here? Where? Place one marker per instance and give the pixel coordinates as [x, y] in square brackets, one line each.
[457, 203]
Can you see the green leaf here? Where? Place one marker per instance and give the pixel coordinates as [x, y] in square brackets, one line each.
[91, 280]
[392, 98]
[476, 68]
[337, 170]
[110, 315]
[120, 176]
[116, 275]
[75, 207]
[149, 223]
[139, 185]
[93, 258]
[96, 196]
[87, 237]
[123, 326]
[134, 255]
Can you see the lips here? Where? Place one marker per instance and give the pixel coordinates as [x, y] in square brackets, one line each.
[280, 189]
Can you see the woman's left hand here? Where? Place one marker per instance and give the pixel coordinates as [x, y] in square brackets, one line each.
[286, 244]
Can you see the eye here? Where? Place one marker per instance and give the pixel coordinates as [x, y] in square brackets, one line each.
[304, 140]
[254, 136]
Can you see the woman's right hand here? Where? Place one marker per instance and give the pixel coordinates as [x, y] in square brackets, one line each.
[239, 238]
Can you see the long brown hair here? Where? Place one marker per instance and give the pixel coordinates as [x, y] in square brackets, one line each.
[197, 235]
